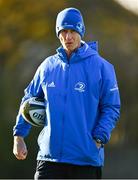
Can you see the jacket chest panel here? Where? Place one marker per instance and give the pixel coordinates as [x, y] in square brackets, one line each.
[72, 78]
[77, 79]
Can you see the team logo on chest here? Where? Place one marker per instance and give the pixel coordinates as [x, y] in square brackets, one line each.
[80, 86]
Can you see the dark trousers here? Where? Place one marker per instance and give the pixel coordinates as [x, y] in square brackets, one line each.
[53, 170]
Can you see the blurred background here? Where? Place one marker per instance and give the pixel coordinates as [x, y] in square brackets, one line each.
[27, 37]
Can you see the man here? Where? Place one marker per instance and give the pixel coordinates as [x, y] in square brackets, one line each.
[83, 106]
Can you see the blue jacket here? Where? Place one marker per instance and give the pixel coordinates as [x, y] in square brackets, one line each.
[82, 103]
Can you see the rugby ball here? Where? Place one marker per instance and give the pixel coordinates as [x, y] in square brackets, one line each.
[33, 111]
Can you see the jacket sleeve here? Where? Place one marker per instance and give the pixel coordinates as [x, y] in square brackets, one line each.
[109, 104]
[22, 128]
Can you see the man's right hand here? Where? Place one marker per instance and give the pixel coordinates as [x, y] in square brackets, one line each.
[19, 148]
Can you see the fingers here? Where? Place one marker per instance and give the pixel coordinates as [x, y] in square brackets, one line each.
[20, 155]
[98, 145]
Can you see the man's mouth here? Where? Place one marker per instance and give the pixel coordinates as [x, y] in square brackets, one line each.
[69, 43]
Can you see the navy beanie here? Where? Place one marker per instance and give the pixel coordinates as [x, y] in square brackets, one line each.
[70, 18]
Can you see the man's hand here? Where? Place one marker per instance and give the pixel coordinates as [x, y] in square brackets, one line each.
[19, 148]
[98, 145]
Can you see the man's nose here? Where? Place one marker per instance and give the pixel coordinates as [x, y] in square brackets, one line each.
[68, 35]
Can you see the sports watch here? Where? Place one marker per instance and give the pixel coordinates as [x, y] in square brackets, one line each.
[99, 141]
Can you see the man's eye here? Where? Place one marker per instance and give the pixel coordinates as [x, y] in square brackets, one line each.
[64, 31]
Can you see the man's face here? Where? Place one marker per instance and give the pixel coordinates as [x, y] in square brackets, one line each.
[70, 40]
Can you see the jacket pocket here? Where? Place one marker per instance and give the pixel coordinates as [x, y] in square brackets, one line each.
[93, 143]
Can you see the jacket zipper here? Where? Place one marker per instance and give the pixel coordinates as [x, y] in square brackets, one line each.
[63, 120]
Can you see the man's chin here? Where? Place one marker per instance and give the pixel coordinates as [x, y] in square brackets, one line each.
[69, 48]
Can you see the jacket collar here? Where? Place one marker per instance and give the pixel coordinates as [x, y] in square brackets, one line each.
[86, 50]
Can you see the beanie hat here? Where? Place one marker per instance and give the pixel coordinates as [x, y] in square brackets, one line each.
[70, 18]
